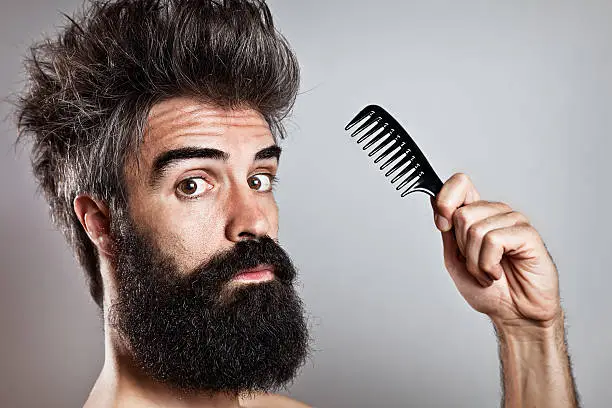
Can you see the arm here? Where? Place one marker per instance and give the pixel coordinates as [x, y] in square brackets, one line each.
[535, 367]
[502, 268]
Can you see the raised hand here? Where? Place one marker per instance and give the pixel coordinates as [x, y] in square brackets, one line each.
[496, 258]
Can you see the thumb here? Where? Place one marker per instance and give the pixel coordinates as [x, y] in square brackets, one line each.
[442, 223]
[452, 254]
[455, 264]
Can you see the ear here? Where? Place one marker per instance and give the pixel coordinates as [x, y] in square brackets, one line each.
[95, 219]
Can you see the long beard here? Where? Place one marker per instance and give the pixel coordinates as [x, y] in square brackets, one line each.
[190, 332]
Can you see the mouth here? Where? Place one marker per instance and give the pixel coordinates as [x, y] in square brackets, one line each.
[261, 273]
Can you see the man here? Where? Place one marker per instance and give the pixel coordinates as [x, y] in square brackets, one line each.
[154, 128]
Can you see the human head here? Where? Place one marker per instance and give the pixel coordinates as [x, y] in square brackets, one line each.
[90, 91]
[154, 126]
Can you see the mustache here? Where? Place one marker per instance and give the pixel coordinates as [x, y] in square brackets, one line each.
[190, 329]
[246, 254]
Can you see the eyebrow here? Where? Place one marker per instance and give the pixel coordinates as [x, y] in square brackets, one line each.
[270, 152]
[169, 158]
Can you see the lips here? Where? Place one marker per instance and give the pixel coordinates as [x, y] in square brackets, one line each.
[260, 273]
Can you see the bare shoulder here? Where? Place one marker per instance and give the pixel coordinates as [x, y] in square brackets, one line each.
[271, 401]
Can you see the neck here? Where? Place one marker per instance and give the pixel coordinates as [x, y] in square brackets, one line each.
[121, 383]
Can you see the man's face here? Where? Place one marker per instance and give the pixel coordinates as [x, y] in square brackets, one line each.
[196, 203]
[201, 212]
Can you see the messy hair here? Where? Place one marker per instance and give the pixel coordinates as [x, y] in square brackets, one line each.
[90, 88]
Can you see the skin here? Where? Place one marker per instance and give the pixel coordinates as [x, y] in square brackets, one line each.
[488, 239]
[502, 268]
[225, 210]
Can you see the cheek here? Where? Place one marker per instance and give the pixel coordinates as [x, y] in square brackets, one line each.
[272, 211]
[191, 232]
[188, 232]
[197, 232]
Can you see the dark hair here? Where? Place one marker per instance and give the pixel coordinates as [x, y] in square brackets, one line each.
[90, 89]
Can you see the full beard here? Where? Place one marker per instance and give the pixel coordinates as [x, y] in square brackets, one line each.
[195, 333]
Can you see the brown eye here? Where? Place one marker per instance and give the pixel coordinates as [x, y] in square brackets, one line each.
[261, 182]
[191, 187]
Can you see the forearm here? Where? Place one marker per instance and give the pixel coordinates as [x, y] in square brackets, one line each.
[536, 370]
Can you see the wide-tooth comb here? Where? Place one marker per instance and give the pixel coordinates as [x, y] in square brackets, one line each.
[407, 165]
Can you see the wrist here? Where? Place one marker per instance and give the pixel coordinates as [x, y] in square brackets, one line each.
[525, 330]
[535, 363]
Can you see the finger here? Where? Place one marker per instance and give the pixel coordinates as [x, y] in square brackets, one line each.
[456, 192]
[455, 264]
[451, 250]
[517, 239]
[466, 216]
[474, 239]
[453, 259]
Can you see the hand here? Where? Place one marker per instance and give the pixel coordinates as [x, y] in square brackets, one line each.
[497, 260]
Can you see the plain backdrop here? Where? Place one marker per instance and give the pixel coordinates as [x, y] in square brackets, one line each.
[517, 94]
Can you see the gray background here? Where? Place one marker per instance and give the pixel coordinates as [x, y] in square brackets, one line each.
[516, 94]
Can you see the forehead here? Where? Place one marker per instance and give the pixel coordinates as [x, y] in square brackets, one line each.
[183, 121]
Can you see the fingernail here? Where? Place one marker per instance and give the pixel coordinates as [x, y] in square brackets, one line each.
[442, 223]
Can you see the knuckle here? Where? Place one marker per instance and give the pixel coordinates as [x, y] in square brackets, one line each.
[444, 204]
[461, 216]
[472, 268]
[484, 265]
[478, 204]
[519, 217]
[501, 206]
[531, 232]
[492, 238]
[462, 177]
[475, 232]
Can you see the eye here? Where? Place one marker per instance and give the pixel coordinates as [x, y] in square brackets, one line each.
[192, 187]
[262, 182]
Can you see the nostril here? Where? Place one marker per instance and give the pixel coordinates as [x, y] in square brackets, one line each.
[246, 235]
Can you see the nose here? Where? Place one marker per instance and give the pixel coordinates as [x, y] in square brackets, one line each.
[246, 218]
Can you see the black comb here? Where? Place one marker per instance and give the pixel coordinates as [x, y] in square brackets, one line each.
[407, 166]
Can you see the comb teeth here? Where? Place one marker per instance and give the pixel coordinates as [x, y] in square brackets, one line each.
[409, 167]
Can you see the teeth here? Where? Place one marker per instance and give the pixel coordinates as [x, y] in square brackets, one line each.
[399, 164]
[390, 150]
[393, 150]
[366, 124]
[371, 132]
[376, 139]
[414, 182]
[384, 143]
[393, 158]
[358, 119]
[404, 171]
[409, 178]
